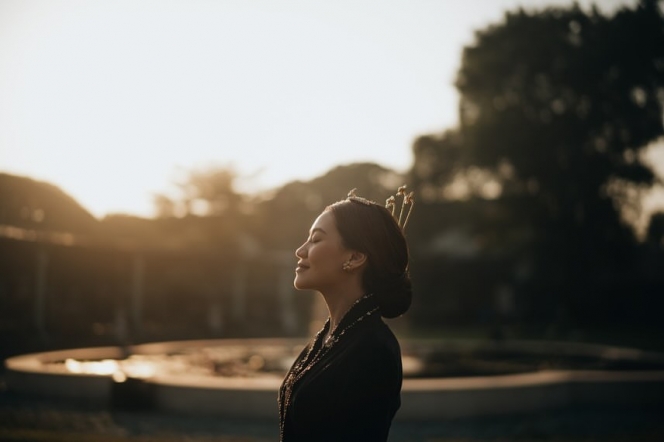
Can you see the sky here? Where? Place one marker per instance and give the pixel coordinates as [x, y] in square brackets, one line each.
[113, 101]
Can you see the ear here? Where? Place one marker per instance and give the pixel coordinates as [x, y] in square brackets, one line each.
[357, 259]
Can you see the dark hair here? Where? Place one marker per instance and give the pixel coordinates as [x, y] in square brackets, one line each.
[371, 229]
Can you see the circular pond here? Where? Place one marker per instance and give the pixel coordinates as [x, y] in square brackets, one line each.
[443, 379]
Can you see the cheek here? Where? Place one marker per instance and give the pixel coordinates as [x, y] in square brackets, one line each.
[325, 260]
[323, 256]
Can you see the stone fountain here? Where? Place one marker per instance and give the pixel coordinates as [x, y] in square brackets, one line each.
[443, 379]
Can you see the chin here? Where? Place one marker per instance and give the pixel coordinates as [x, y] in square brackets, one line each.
[301, 284]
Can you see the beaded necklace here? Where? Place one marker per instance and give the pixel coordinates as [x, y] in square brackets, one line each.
[310, 360]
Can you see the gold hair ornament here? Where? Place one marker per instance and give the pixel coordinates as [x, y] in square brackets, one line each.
[359, 199]
[391, 203]
[407, 200]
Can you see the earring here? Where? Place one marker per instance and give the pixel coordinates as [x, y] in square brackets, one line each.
[346, 267]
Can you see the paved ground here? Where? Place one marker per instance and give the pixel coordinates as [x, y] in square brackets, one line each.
[38, 420]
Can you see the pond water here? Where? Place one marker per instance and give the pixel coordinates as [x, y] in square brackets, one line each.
[419, 361]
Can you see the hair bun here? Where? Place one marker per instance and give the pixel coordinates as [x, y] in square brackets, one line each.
[395, 296]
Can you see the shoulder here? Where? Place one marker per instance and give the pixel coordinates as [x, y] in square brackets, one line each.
[374, 345]
[378, 336]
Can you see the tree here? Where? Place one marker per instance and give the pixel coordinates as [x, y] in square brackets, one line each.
[38, 205]
[655, 234]
[202, 192]
[165, 207]
[557, 105]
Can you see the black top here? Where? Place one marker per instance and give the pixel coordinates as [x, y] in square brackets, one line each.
[347, 389]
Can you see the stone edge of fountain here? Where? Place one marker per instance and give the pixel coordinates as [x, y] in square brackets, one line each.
[422, 399]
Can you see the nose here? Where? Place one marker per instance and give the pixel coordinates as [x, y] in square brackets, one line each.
[301, 251]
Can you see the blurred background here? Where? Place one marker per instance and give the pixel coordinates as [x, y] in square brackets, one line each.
[161, 161]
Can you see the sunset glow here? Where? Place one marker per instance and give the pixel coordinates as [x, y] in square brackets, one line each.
[111, 101]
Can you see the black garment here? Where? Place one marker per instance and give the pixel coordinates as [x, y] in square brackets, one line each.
[349, 391]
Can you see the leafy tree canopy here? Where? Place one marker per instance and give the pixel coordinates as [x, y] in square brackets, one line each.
[555, 108]
[555, 105]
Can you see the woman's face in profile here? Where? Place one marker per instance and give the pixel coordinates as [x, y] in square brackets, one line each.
[321, 257]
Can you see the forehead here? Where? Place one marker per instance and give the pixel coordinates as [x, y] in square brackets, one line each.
[325, 221]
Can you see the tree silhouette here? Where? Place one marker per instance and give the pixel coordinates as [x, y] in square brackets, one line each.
[39, 205]
[556, 106]
[203, 192]
[655, 233]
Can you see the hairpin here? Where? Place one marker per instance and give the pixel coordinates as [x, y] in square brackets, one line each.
[391, 203]
[407, 200]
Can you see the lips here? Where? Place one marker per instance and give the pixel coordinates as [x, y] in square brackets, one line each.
[301, 268]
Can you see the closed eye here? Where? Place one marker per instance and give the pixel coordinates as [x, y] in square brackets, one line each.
[316, 235]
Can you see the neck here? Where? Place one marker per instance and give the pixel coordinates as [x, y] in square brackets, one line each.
[339, 303]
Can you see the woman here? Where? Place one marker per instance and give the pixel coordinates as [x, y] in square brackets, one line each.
[346, 383]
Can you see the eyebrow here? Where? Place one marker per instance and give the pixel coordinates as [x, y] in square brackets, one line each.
[318, 229]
